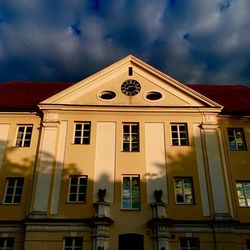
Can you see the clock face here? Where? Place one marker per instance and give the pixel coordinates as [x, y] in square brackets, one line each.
[130, 87]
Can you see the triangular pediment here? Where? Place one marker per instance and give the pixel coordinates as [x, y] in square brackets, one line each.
[145, 86]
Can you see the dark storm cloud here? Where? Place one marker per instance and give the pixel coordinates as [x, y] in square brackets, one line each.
[67, 40]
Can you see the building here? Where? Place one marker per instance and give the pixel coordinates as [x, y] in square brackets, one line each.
[128, 158]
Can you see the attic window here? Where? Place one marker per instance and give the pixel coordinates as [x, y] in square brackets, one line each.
[130, 71]
[153, 96]
[107, 95]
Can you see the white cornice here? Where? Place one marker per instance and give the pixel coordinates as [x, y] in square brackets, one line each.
[18, 114]
[117, 108]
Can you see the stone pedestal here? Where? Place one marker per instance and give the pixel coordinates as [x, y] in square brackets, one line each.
[102, 223]
[159, 224]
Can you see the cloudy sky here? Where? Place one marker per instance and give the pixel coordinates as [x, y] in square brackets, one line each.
[194, 41]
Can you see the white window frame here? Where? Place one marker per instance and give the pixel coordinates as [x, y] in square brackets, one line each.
[179, 132]
[183, 190]
[79, 177]
[197, 247]
[73, 246]
[83, 129]
[242, 137]
[131, 198]
[13, 195]
[23, 139]
[245, 198]
[5, 243]
[130, 137]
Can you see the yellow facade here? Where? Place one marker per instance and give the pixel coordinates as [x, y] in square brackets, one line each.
[161, 151]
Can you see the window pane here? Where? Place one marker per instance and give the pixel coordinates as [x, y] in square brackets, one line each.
[85, 140]
[126, 129]
[182, 128]
[78, 133]
[135, 128]
[17, 199]
[126, 147]
[73, 189]
[72, 197]
[131, 192]
[86, 133]
[135, 147]
[8, 199]
[77, 141]
[73, 180]
[78, 126]
[87, 126]
[81, 197]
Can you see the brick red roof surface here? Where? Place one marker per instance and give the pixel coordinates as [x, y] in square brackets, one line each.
[24, 96]
[234, 98]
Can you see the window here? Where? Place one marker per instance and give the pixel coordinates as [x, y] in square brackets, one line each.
[243, 192]
[248, 244]
[73, 243]
[131, 241]
[131, 137]
[24, 133]
[179, 134]
[131, 192]
[13, 190]
[77, 189]
[184, 190]
[189, 244]
[82, 133]
[236, 139]
[6, 243]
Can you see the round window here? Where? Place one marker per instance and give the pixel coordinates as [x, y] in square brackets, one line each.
[107, 95]
[153, 96]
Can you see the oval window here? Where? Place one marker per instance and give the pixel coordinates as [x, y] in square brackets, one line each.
[107, 95]
[153, 96]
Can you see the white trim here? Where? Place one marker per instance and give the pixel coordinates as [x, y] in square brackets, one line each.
[201, 170]
[24, 134]
[82, 123]
[215, 171]
[226, 172]
[155, 151]
[59, 168]
[79, 177]
[45, 166]
[4, 132]
[105, 159]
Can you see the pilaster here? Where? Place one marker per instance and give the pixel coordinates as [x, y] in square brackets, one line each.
[46, 160]
[214, 161]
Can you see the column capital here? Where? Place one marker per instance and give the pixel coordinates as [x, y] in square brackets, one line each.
[209, 126]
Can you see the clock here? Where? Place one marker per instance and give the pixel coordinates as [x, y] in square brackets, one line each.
[130, 87]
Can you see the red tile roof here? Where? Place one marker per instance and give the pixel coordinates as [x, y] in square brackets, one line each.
[234, 98]
[24, 96]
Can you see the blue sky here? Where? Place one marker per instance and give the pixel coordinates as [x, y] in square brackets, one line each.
[194, 41]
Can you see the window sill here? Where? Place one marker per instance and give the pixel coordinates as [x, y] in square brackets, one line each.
[11, 204]
[185, 204]
[76, 203]
[130, 209]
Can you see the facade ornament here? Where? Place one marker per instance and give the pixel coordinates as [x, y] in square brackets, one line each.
[101, 194]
